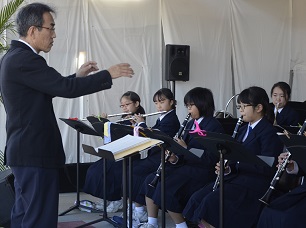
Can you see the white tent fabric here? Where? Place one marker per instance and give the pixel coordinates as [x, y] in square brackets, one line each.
[233, 44]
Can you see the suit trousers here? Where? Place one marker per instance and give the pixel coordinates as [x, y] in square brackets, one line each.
[36, 197]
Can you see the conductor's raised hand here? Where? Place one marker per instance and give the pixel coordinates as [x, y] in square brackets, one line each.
[121, 70]
[87, 68]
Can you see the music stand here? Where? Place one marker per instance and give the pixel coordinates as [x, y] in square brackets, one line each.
[227, 148]
[127, 153]
[117, 131]
[83, 128]
[94, 119]
[99, 127]
[172, 146]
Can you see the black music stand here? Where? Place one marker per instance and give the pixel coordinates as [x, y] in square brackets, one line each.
[172, 146]
[94, 119]
[117, 131]
[109, 155]
[227, 148]
[99, 127]
[83, 128]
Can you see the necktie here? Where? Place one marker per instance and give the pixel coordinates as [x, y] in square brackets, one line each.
[250, 130]
[157, 121]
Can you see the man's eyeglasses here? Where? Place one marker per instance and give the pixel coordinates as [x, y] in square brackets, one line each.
[51, 29]
[188, 106]
[125, 105]
[243, 106]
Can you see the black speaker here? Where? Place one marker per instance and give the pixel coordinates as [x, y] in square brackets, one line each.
[7, 197]
[177, 62]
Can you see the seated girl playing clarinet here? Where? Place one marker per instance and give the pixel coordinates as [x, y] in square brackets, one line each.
[245, 182]
[184, 176]
[289, 209]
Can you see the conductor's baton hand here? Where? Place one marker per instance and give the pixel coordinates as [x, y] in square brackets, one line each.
[121, 70]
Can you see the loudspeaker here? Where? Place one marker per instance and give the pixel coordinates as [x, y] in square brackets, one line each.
[177, 62]
[7, 197]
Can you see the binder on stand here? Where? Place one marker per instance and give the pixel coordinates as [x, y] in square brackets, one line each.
[122, 149]
[226, 148]
[83, 128]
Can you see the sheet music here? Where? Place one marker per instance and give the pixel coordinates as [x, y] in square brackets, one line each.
[124, 143]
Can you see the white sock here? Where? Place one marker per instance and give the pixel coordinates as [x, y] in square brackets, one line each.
[181, 225]
[139, 209]
[153, 221]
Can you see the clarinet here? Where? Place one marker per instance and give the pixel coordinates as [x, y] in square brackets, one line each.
[238, 124]
[267, 196]
[168, 155]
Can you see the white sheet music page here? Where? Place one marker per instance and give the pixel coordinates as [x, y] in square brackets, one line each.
[124, 143]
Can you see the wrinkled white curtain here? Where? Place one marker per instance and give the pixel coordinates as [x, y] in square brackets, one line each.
[298, 52]
[261, 42]
[233, 44]
[205, 26]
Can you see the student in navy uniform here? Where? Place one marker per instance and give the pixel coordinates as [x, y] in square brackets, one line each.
[184, 176]
[289, 209]
[129, 103]
[285, 116]
[245, 183]
[167, 123]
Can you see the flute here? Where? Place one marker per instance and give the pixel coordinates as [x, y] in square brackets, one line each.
[142, 115]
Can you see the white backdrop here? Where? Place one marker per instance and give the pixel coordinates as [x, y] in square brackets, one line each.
[233, 44]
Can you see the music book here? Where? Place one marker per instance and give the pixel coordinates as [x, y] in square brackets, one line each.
[123, 147]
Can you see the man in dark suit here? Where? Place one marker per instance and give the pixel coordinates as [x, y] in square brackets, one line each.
[34, 149]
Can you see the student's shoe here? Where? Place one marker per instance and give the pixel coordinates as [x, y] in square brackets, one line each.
[100, 204]
[114, 206]
[146, 225]
[137, 218]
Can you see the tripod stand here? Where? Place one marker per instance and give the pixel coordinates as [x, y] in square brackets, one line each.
[80, 127]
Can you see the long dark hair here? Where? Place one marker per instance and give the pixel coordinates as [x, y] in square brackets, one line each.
[255, 95]
[164, 93]
[134, 97]
[203, 99]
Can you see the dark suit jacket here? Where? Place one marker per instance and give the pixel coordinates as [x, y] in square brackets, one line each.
[264, 141]
[287, 117]
[28, 85]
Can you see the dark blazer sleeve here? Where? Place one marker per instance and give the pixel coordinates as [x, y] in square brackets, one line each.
[169, 124]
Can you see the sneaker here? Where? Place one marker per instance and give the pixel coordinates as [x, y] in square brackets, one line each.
[138, 218]
[114, 206]
[146, 225]
[100, 204]
[88, 204]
